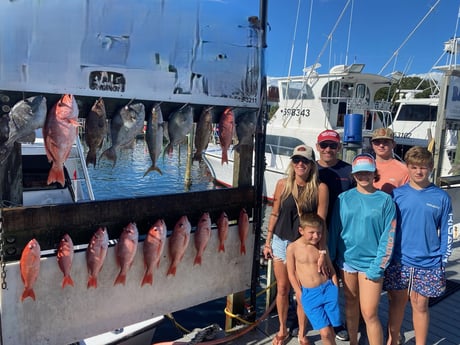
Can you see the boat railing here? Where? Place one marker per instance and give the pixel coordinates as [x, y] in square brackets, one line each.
[84, 169]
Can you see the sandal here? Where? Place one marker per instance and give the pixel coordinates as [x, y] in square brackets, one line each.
[303, 342]
[280, 339]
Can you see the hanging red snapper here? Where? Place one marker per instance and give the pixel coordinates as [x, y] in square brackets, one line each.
[153, 249]
[95, 255]
[125, 251]
[65, 257]
[59, 134]
[30, 268]
[222, 230]
[243, 229]
[226, 129]
[202, 236]
[178, 243]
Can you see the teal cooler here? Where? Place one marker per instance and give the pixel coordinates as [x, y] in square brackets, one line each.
[353, 129]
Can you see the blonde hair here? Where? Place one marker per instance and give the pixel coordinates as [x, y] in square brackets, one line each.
[311, 219]
[418, 155]
[306, 198]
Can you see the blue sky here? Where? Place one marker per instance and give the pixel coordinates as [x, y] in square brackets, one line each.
[378, 29]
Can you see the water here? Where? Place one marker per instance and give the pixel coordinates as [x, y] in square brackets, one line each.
[126, 179]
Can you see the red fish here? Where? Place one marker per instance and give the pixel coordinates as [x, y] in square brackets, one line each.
[226, 129]
[30, 268]
[59, 134]
[95, 255]
[243, 229]
[178, 243]
[153, 249]
[202, 236]
[125, 251]
[65, 258]
[222, 230]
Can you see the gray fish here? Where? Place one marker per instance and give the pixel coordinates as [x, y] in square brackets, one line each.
[245, 127]
[126, 124]
[24, 118]
[4, 128]
[203, 133]
[179, 125]
[154, 137]
[95, 130]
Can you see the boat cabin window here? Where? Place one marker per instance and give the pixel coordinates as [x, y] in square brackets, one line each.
[297, 90]
[362, 92]
[417, 112]
[273, 94]
[331, 92]
[279, 145]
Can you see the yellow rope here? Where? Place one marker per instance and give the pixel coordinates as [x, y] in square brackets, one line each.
[226, 311]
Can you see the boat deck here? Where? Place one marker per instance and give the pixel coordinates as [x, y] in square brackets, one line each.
[444, 324]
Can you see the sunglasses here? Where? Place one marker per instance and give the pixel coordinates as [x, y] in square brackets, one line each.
[333, 146]
[296, 160]
[378, 142]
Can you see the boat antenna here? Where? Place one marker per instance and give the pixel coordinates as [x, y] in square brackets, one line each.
[293, 39]
[329, 38]
[396, 52]
[308, 36]
[349, 33]
[454, 52]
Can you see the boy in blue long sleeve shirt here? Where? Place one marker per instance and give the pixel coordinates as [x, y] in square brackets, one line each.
[422, 245]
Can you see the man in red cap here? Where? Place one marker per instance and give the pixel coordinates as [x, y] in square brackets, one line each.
[333, 171]
[336, 174]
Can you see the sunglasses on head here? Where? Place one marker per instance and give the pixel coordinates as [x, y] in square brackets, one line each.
[298, 159]
[333, 146]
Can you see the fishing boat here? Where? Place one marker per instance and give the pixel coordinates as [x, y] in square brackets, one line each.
[35, 168]
[342, 100]
[415, 119]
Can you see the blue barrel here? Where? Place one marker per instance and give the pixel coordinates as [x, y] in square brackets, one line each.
[353, 128]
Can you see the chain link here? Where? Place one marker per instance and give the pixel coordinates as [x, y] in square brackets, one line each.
[2, 258]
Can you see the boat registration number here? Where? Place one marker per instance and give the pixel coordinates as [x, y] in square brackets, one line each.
[296, 112]
[402, 134]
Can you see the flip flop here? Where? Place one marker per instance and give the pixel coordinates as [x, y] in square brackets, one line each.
[303, 342]
[280, 340]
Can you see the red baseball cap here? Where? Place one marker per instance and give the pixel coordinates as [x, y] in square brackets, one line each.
[329, 135]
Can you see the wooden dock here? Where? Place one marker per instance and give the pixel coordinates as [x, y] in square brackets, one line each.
[444, 324]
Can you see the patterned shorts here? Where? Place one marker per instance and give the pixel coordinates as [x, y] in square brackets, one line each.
[426, 282]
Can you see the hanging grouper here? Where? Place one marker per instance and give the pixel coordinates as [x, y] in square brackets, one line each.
[203, 133]
[95, 130]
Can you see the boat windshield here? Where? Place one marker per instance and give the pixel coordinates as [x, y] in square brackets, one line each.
[417, 112]
[296, 90]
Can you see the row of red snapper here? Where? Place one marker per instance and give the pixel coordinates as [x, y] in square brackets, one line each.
[126, 248]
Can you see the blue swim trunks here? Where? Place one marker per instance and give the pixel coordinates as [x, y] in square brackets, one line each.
[321, 304]
[429, 282]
